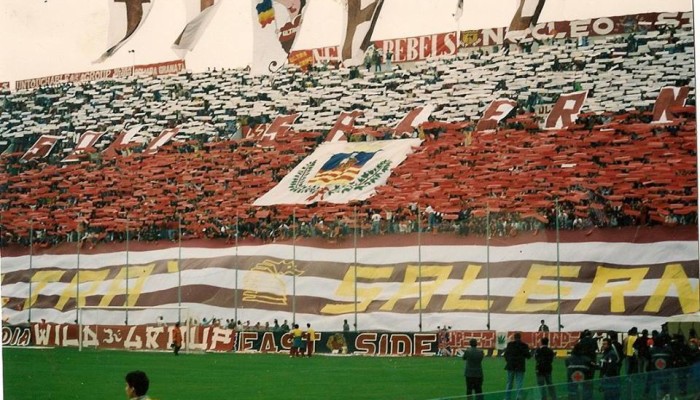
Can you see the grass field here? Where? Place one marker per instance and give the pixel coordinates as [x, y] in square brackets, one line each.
[65, 373]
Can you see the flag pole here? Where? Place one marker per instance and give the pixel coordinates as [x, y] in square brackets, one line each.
[126, 297]
[420, 275]
[294, 257]
[556, 224]
[354, 244]
[179, 268]
[235, 266]
[31, 265]
[488, 268]
[77, 287]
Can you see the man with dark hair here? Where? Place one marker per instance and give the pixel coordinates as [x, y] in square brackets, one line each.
[610, 368]
[136, 385]
[630, 355]
[516, 354]
[589, 348]
[473, 372]
[641, 347]
[544, 357]
[295, 350]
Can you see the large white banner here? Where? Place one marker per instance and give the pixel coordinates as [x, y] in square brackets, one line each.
[594, 285]
[340, 172]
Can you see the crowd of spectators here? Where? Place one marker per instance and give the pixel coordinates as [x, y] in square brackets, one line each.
[613, 168]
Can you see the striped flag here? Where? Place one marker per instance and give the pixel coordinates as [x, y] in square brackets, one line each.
[199, 14]
[268, 53]
[526, 17]
[341, 168]
[266, 13]
[125, 18]
[359, 25]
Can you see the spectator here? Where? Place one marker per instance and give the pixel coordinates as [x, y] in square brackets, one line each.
[630, 353]
[310, 339]
[177, 339]
[610, 368]
[544, 357]
[137, 385]
[473, 372]
[578, 368]
[641, 348]
[516, 354]
[589, 347]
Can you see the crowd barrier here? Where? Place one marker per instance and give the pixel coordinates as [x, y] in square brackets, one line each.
[677, 383]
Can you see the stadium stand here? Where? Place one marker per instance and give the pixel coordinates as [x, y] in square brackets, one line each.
[613, 168]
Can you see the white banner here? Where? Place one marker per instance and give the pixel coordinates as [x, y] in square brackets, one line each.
[268, 54]
[340, 172]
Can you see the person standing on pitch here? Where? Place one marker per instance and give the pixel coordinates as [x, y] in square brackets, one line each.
[516, 354]
[473, 372]
[296, 341]
[544, 356]
[310, 339]
[177, 339]
[610, 368]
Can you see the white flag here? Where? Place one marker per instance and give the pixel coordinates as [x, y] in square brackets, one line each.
[359, 25]
[125, 18]
[459, 10]
[268, 54]
[199, 14]
[340, 172]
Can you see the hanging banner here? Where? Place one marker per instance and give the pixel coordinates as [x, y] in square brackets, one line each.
[340, 172]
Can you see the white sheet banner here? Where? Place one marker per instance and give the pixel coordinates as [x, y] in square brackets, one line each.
[340, 172]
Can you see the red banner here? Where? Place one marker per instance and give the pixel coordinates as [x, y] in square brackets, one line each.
[168, 67]
[214, 338]
[581, 28]
[557, 340]
[41, 148]
[164, 68]
[135, 337]
[420, 47]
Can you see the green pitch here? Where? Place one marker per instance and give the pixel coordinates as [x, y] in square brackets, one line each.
[65, 373]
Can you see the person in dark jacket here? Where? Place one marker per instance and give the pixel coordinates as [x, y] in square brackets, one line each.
[661, 357]
[473, 372]
[589, 348]
[544, 357]
[578, 367]
[516, 354]
[641, 347]
[610, 368]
